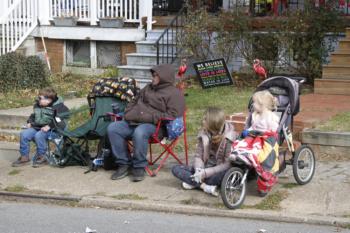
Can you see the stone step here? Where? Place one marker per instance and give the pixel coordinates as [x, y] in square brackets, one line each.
[340, 57]
[142, 81]
[12, 120]
[344, 44]
[150, 47]
[336, 76]
[343, 70]
[155, 34]
[332, 86]
[10, 132]
[135, 71]
[145, 59]
[347, 32]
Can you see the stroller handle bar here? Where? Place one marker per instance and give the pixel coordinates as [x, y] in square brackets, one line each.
[298, 79]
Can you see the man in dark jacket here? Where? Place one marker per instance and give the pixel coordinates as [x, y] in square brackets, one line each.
[159, 99]
[49, 113]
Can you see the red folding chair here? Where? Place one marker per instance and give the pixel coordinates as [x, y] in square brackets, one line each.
[167, 148]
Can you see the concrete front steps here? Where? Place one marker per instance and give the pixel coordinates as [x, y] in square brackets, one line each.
[139, 63]
[336, 75]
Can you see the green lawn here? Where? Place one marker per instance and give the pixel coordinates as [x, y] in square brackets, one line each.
[340, 122]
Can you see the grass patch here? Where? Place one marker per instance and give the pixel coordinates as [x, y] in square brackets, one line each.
[15, 188]
[129, 196]
[271, 202]
[289, 185]
[340, 123]
[14, 172]
[63, 83]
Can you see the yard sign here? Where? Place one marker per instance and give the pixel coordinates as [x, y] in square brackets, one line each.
[213, 73]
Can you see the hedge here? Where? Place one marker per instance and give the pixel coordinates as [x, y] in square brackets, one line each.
[19, 72]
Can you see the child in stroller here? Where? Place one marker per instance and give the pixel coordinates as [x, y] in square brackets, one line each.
[260, 152]
[260, 145]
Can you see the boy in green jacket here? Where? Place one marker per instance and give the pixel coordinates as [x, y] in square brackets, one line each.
[49, 113]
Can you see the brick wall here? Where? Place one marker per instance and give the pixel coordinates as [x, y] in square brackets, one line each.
[55, 52]
[127, 47]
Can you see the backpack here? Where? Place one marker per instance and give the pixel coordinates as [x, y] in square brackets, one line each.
[175, 128]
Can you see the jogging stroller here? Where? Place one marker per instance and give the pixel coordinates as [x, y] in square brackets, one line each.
[234, 183]
[108, 95]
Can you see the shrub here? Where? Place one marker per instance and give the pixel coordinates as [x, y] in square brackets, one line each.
[19, 72]
[294, 43]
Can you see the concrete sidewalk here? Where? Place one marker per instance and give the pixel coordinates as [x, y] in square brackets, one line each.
[323, 201]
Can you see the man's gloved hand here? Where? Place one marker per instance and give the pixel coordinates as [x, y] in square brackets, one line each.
[197, 176]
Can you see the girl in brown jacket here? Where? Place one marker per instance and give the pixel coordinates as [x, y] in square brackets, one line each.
[211, 158]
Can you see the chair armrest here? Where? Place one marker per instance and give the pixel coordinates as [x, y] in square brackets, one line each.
[115, 117]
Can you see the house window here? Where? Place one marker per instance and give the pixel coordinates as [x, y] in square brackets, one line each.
[78, 53]
[108, 54]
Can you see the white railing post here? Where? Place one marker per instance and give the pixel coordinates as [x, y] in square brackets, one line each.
[3, 7]
[93, 12]
[145, 10]
[44, 12]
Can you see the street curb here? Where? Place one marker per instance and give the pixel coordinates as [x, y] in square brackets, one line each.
[204, 211]
[188, 210]
[41, 196]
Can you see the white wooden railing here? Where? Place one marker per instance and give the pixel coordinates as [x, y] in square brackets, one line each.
[17, 23]
[93, 10]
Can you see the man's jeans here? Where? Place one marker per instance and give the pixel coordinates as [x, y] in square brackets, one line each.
[119, 132]
[184, 173]
[40, 138]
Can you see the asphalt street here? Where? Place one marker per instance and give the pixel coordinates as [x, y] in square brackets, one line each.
[37, 218]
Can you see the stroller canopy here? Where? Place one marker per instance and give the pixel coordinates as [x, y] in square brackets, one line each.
[289, 85]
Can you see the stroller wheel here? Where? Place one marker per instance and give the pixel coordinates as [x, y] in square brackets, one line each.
[233, 191]
[304, 164]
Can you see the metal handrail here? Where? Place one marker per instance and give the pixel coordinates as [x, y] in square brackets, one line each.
[176, 25]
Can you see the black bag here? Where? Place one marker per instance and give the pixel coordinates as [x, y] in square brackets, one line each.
[107, 155]
[72, 154]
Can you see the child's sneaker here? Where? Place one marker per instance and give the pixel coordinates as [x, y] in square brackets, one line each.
[211, 189]
[187, 186]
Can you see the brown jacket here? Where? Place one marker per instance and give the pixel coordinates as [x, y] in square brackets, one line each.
[214, 158]
[160, 101]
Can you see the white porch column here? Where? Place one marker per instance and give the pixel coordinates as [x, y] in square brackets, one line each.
[149, 5]
[93, 12]
[93, 54]
[44, 12]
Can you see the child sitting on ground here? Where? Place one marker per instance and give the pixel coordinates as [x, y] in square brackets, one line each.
[213, 148]
[49, 113]
[260, 141]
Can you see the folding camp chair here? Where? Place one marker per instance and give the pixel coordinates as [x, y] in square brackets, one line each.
[94, 129]
[167, 147]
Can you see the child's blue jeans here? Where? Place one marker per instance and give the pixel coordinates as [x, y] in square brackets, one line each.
[39, 137]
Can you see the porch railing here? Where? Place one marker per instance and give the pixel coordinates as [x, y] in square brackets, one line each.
[17, 23]
[84, 10]
[168, 45]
